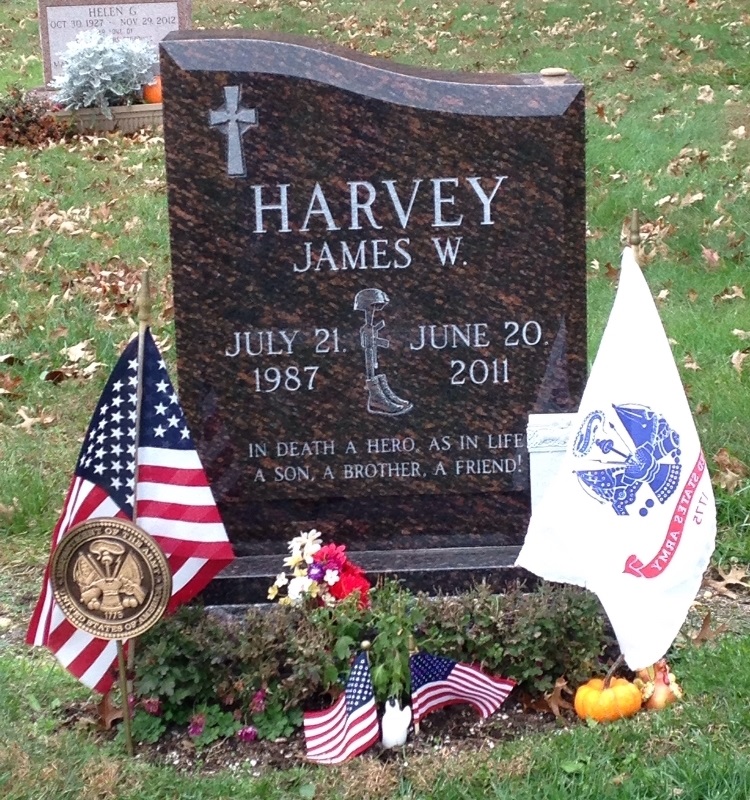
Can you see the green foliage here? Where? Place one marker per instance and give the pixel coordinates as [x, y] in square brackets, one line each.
[99, 71]
[215, 724]
[266, 668]
[145, 727]
[275, 720]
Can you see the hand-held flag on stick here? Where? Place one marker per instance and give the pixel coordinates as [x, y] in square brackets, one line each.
[437, 681]
[350, 725]
[631, 513]
[174, 502]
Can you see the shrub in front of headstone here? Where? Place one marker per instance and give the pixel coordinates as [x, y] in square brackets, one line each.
[26, 121]
[99, 72]
[256, 674]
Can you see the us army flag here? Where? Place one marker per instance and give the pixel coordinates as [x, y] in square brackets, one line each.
[631, 513]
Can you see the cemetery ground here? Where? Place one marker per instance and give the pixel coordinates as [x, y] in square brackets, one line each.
[668, 130]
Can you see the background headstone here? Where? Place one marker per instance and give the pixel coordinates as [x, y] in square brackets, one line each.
[60, 21]
[379, 272]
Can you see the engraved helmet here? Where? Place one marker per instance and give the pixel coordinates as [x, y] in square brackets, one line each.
[367, 298]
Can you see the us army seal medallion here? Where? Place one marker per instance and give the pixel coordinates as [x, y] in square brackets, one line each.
[110, 578]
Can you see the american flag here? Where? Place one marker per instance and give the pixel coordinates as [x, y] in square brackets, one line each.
[437, 682]
[174, 502]
[350, 725]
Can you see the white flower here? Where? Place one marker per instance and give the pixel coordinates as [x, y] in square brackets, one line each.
[305, 541]
[298, 587]
[331, 576]
[293, 560]
[281, 580]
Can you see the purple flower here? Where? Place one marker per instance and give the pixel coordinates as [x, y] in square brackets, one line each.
[152, 705]
[197, 723]
[258, 703]
[316, 571]
[248, 734]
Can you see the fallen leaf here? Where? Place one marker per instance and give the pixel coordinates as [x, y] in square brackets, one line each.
[10, 359]
[702, 408]
[9, 384]
[108, 712]
[690, 363]
[735, 577]
[662, 296]
[707, 633]
[690, 199]
[740, 133]
[29, 421]
[731, 471]
[78, 351]
[611, 273]
[740, 334]
[692, 295]
[738, 357]
[555, 700]
[705, 94]
[732, 293]
[711, 257]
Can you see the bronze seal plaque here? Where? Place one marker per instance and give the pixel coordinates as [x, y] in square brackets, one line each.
[111, 579]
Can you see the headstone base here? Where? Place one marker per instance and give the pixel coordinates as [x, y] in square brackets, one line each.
[246, 580]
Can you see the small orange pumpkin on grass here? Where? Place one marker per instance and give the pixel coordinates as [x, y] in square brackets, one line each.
[152, 91]
[606, 702]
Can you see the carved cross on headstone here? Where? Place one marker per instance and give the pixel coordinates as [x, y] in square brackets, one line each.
[233, 122]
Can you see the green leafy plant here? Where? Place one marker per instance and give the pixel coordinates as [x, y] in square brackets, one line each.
[99, 71]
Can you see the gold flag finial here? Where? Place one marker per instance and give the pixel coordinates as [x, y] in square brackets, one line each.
[144, 299]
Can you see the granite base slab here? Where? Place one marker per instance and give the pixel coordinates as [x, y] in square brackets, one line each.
[446, 570]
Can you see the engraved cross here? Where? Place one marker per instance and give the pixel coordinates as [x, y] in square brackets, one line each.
[233, 120]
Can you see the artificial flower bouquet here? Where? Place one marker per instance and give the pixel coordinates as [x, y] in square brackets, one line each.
[320, 572]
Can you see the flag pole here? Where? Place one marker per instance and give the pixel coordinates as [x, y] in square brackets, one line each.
[634, 239]
[125, 696]
[143, 304]
[413, 650]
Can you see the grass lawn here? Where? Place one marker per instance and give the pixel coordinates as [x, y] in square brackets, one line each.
[668, 132]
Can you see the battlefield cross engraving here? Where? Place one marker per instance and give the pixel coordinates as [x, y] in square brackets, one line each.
[373, 290]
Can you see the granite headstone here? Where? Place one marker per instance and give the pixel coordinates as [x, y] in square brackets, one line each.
[379, 273]
[60, 21]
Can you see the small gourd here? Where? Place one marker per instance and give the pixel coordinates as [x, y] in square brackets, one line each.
[152, 91]
[603, 703]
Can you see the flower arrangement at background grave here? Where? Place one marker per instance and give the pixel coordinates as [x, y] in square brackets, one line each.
[322, 573]
[100, 72]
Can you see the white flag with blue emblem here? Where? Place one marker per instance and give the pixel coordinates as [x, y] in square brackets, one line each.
[631, 514]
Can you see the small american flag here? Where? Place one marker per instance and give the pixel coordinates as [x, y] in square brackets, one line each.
[350, 725]
[437, 682]
[174, 502]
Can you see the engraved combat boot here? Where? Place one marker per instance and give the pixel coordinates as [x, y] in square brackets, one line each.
[381, 400]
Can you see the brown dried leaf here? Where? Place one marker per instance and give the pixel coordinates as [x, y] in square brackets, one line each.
[611, 273]
[77, 352]
[692, 295]
[740, 334]
[29, 421]
[731, 471]
[690, 363]
[707, 633]
[108, 712]
[555, 700]
[690, 199]
[9, 359]
[705, 94]
[738, 357]
[732, 293]
[702, 408]
[8, 385]
[711, 257]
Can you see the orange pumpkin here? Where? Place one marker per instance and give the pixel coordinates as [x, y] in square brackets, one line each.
[605, 704]
[152, 91]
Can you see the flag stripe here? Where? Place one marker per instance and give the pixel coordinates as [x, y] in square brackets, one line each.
[175, 503]
[350, 725]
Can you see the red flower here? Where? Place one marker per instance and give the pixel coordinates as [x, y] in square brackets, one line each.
[333, 556]
[352, 579]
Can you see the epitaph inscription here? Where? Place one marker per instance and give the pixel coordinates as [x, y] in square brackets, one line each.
[379, 272]
[60, 21]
